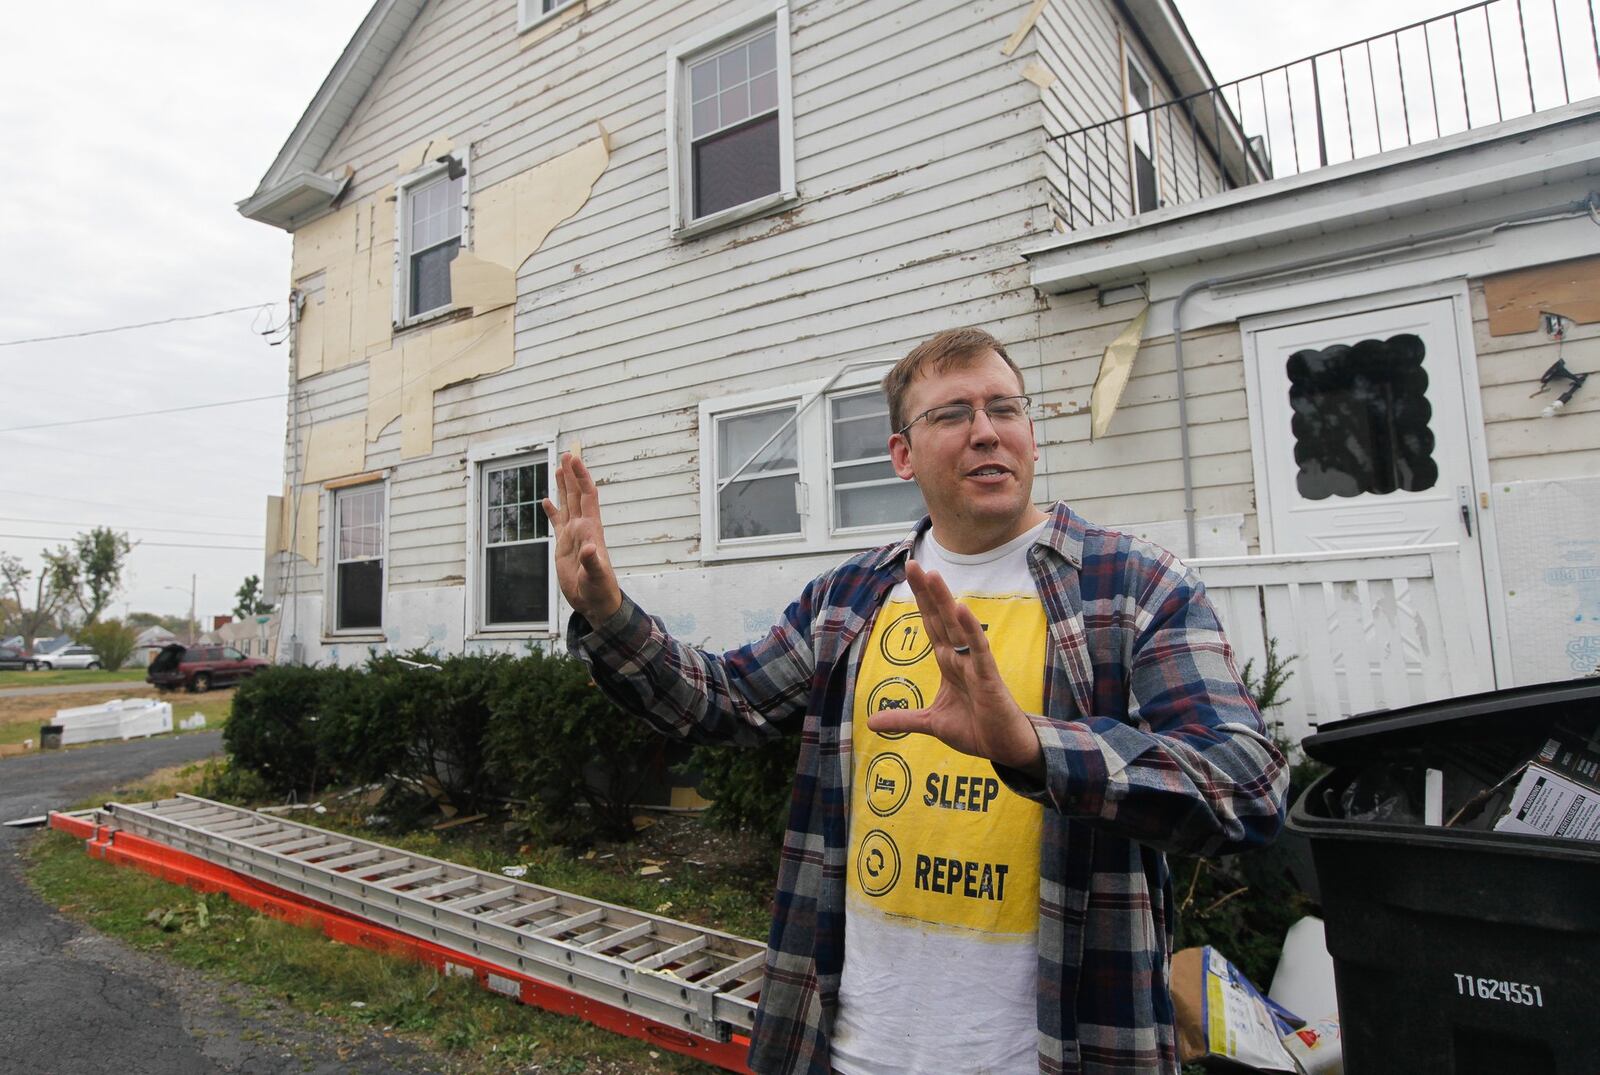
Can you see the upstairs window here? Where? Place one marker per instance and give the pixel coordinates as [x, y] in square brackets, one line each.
[531, 13]
[730, 121]
[431, 214]
[1140, 124]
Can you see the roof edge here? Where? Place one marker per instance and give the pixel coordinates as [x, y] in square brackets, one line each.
[356, 69]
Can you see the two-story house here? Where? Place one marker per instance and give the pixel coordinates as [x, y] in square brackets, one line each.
[1282, 338]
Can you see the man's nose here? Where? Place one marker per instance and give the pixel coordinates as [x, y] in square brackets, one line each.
[983, 430]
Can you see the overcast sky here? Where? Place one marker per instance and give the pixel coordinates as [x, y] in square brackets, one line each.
[134, 129]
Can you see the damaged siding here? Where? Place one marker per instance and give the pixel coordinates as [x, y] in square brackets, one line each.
[1522, 445]
[1135, 473]
[918, 161]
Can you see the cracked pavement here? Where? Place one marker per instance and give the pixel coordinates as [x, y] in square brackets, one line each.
[75, 1002]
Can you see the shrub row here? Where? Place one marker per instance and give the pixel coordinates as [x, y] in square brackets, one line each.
[475, 731]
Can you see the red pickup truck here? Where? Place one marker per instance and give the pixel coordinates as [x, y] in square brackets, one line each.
[199, 668]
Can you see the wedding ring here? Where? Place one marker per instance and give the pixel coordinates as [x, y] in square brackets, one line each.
[963, 649]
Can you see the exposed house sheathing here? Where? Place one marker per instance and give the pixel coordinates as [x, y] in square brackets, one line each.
[344, 263]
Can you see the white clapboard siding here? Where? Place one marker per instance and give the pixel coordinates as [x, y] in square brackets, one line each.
[1364, 630]
[1522, 444]
[921, 165]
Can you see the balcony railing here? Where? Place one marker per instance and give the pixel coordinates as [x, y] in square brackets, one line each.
[1470, 68]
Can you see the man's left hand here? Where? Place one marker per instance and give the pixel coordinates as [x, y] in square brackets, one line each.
[973, 711]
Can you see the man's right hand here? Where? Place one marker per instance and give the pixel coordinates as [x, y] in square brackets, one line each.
[583, 569]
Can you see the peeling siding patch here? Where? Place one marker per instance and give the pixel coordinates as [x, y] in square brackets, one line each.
[1040, 75]
[1023, 27]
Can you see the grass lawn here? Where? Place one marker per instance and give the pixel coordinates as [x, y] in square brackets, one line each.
[60, 676]
[474, 1031]
[20, 718]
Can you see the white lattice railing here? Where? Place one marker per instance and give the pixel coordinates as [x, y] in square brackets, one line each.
[1368, 629]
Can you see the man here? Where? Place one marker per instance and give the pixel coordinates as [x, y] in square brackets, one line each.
[973, 877]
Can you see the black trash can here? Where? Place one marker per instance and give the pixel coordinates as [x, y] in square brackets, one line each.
[1456, 950]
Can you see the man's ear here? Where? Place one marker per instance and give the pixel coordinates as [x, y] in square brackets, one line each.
[900, 455]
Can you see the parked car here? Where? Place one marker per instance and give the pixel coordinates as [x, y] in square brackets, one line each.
[12, 657]
[67, 657]
[199, 668]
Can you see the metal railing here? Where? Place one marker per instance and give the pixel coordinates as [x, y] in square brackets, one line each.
[1466, 69]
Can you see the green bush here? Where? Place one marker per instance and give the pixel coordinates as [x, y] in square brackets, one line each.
[749, 788]
[559, 744]
[431, 726]
[274, 729]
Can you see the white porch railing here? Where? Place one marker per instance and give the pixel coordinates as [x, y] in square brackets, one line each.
[1367, 629]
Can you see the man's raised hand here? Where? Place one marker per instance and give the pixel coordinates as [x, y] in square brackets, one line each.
[974, 711]
[583, 568]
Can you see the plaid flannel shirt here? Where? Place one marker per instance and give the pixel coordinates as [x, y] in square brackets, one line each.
[1151, 744]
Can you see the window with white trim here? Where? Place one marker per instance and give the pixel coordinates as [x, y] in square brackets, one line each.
[730, 122]
[531, 13]
[787, 472]
[515, 577]
[1137, 102]
[357, 560]
[430, 225]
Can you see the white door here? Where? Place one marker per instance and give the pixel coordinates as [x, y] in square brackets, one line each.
[1363, 427]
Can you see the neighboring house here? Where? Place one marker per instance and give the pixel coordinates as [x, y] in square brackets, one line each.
[690, 237]
[253, 636]
[150, 642]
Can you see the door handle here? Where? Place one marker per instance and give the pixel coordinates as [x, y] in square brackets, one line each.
[1464, 498]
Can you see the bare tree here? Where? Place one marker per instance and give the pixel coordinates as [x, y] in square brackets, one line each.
[53, 587]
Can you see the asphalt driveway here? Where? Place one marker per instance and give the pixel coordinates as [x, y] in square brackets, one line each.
[75, 1002]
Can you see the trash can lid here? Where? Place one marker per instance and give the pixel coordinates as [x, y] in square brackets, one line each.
[1353, 741]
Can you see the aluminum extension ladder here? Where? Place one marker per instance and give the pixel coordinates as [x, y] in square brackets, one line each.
[702, 980]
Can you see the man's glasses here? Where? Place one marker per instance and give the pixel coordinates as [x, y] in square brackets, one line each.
[950, 417]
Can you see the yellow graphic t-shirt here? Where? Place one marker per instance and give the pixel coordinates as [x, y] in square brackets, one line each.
[941, 928]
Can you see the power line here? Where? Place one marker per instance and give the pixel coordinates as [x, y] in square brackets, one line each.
[140, 414]
[142, 544]
[126, 507]
[126, 328]
[112, 526]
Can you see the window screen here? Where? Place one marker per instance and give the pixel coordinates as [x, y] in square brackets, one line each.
[433, 238]
[866, 491]
[516, 575]
[1361, 416]
[760, 501]
[734, 126]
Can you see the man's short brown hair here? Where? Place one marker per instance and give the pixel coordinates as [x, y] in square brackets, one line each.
[951, 348]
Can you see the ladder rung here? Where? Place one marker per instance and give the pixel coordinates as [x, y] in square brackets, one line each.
[670, 955]
[689, 970]
[352, 859]
[510, 916]
[250, 836]
[566, 925]
[377, 869]
[302, 843]
[621, 937]
[447, 887]
[748, 989]
[412, 878]
[736, 970]
[229, 826]
[478, 899]
[323, 849]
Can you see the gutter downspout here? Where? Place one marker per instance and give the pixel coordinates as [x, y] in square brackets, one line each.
[1589, 206]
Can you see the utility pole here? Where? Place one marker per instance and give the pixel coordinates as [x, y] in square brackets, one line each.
[194, 624]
